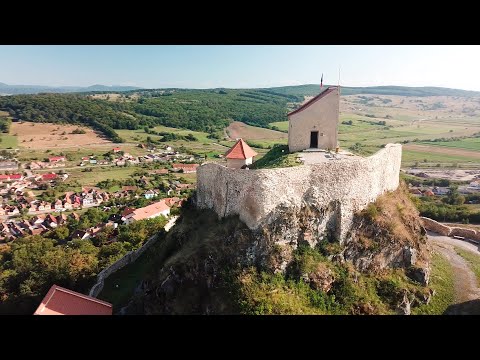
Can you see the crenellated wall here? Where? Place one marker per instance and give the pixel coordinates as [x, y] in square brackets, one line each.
[256, 195]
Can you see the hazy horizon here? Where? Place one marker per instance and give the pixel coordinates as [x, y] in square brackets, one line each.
[241, 66]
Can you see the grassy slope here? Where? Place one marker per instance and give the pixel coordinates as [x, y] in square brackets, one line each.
[472, 259]
[278, 156]
[441, 280]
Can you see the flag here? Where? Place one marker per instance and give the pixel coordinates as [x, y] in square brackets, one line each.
[321, 82]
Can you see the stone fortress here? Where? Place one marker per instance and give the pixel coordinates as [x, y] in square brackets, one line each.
[334, 183]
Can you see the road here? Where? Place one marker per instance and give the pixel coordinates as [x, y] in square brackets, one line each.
[467, 292]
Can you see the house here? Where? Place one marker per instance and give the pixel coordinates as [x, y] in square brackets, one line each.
[8, 165]
[149, 194]
[428, 192]
[187, 168]
[55, 159]
[93, 161]
[49, 177]
[16, 177]
[148, 212]
[129, 188]
[116, 150]
[38, 219]
[61, 301]
[415, 191]
[74, 216]
[61, 219]
[314, 125]
[67, 205]
[172, 201]
[51, 221]
[85, 158]
[239, 155]
[59, 205]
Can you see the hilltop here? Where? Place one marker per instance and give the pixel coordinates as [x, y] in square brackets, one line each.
[211, 266]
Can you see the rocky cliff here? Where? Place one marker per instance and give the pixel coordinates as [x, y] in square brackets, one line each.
[291, 264]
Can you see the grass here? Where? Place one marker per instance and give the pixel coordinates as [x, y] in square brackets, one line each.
[101, 173]
[441, 280]
[8, 141]
[472, 259]
[120, 286]
[412, 156]
[278, 156]
[466, 144]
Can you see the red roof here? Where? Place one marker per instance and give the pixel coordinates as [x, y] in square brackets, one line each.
[56, 158]
[150, 210]
[240, 150]
[49, 176]
[61, 301]
[185, 166]
[15, 176]
[4, 177]
[116, 149]
[311, 101]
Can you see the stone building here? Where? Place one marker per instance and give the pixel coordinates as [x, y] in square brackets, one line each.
[315, 124]
[239, 155]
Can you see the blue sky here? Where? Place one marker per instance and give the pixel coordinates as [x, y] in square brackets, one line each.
[201, 66]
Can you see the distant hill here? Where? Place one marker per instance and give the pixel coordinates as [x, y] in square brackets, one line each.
[313, 89]
[6, 89]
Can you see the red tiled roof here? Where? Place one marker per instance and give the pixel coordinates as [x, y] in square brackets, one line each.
[56, 158]
[185, 166]
[4, 177]
[15, 176]
[240, 150]
[311, 101]
[150, 210]
[61, 301]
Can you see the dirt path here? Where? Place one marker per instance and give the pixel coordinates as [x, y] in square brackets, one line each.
[467, 292]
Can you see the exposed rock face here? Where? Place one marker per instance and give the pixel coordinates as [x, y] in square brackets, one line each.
[336, 189]
[190, 281]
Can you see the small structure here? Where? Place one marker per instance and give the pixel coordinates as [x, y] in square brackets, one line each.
[315, 124]
[55, 159]
[116, 149]
[61, 301]
[187, 168]
[240, 155]
[8, 165]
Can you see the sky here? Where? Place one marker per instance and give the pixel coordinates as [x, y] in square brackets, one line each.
[240, 66]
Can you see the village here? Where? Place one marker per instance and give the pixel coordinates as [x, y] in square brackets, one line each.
[25, 208]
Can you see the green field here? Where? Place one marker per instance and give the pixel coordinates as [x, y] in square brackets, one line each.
[8, 141]
[140, 135]
[412, 156]
[101, 173]
[466, 144]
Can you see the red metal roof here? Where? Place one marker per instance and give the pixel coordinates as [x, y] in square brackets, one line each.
[313, 100]
[240, 150]
[61, 301]
[15, 176]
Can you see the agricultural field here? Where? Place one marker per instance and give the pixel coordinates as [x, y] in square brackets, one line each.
[100, 173]
[8, 141]
[50, 136]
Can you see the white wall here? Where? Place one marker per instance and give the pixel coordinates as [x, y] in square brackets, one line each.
[321, 116]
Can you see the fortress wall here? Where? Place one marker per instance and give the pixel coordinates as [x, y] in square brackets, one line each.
[254, 195]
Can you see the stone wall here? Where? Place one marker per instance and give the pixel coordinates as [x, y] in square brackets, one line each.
[117, 265]
[445, 230]
[343, 187]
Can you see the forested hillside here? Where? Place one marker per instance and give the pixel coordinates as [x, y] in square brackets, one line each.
[200, 110]
[208, 110]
